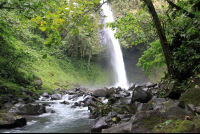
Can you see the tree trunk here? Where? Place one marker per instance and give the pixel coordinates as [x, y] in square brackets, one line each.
[163, 39]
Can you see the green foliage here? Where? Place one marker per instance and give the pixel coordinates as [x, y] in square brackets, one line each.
[152, 58]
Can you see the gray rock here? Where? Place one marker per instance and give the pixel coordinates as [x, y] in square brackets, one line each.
[101, 124]
[192, 107]
[45, 94]
[177, 112]
[197, 109]
[123, 127]
[56, 96]
[39, 82]
[8, 105]
[99, 93]
[131, 88]
[141, 96]
[150, 84]
[9, 120]
[65, 102]
[28, 109]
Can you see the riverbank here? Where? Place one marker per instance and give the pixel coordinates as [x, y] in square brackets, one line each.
[150, 108]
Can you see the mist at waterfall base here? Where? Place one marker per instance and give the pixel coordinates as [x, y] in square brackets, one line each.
[113, 46]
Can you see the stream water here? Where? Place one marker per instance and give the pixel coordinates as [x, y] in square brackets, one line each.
[64, 120]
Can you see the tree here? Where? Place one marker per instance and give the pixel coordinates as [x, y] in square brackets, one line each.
[161, 33]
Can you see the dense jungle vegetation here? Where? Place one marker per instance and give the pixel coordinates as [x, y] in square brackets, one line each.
[57, 40]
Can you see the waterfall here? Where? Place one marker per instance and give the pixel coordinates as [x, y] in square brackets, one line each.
[116, 58]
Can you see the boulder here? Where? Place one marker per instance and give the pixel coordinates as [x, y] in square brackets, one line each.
[99, 93]
[87, 101]
[144, 122]
[197, 109]
[56, 96]
[65, 102]
[100, 124]
[123, 127]
[45, 94]
[141, 96]
[9, 120]
[28, 109]
[150, 84]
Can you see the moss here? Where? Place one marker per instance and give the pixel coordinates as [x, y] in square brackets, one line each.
[197, 125]
[192, 96]
[151, 121]
[185, 126]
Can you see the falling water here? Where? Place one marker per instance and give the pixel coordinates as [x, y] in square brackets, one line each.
[116, 53]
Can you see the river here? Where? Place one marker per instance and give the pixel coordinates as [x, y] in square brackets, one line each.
[64, 120]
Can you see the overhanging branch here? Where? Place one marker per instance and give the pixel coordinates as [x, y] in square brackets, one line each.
[179, 8]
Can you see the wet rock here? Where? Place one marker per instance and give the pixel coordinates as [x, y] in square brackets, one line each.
[73, 106]
[28, 109]
[65, 102]
[141, 96]
[9, 120]
[150, 84]
[131, 88]
[110, 91]
[87, 101]
[100, 124]
[45, 94]
[70, 92]
[78, 104]
[53, 111]
[99, 92]
[56, 96]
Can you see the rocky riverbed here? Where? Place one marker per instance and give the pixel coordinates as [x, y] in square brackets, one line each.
[146, 108]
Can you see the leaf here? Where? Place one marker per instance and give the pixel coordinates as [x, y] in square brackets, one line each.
[42, 28]
[114, 119]
[44, 56]
[168, 122]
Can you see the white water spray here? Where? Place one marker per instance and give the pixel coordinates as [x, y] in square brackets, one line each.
[116, 54]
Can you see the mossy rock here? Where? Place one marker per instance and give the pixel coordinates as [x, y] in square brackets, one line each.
[192, 96]
[197, 125]
[8, 120]
[185, 126]
[178, 126]
[144, 122]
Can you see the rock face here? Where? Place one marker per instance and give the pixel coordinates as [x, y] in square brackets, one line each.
[28, 109]
[140, 95]
[8, 120]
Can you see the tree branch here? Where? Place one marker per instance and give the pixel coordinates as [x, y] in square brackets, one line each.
[179, 8]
